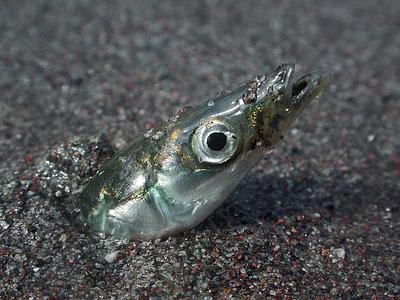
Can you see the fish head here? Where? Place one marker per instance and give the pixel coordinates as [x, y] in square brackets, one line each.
[219, 141]
[253, 118]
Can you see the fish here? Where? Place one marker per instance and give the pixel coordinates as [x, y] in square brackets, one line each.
[174, 176]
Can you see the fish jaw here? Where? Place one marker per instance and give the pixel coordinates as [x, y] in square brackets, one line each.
[283, 100]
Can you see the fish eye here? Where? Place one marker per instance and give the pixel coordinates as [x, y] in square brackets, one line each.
[215, 142]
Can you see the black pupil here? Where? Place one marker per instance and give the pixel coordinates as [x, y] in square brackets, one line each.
[216, 141]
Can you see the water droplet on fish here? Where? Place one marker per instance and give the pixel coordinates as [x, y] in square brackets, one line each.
[158, 135]
[174, 118]
[148, 133]
[260, 78]
[294, 131]
[210, 103]
[279, 87]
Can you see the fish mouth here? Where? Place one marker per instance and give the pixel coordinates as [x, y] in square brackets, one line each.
[295, 95]
[291, 97]
[309, 87]
[284, 99]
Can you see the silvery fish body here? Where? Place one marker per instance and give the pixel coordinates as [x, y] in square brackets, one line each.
[174, 176]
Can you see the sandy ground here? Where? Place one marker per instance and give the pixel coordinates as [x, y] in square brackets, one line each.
[319, 218]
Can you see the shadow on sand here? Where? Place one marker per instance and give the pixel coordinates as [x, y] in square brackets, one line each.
[266, 198]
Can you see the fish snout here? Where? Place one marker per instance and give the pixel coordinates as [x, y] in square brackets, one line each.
[309, 87]
[285, 100]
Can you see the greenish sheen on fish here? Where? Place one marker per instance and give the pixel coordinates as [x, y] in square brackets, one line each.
[174, 176]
